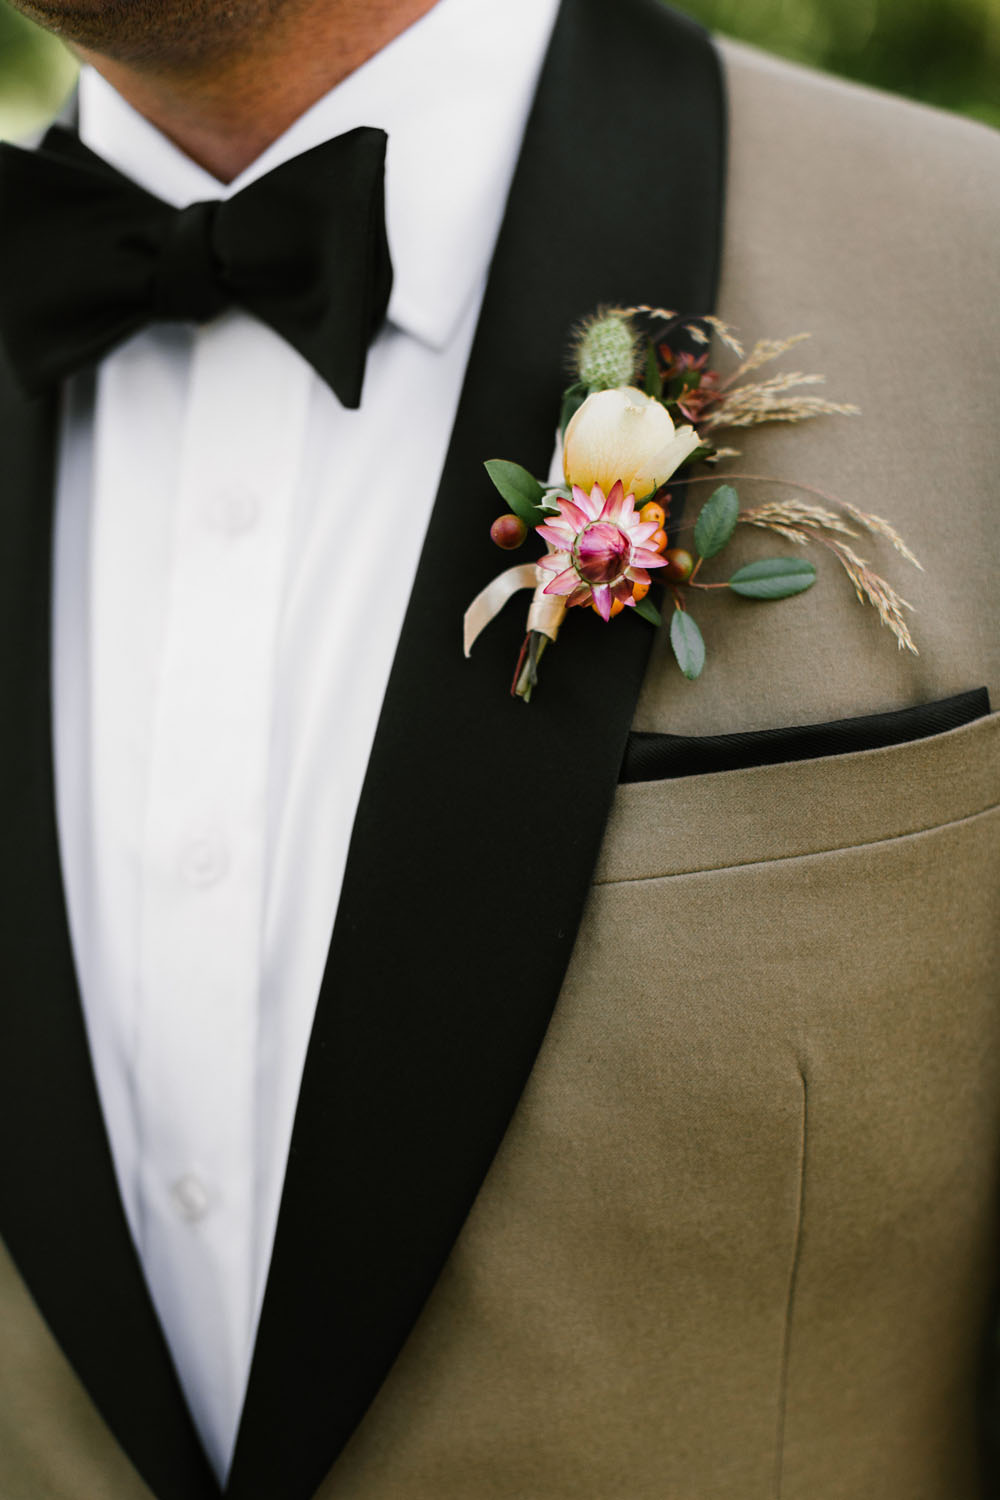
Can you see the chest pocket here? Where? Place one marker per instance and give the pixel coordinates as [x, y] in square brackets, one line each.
[787, 981]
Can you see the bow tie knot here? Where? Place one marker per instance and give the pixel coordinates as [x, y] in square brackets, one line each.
[187, 276]
[87, 258]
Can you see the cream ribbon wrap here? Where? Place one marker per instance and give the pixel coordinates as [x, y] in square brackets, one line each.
[547, 610]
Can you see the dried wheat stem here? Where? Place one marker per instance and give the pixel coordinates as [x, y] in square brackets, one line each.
[750, 406]
[723, 330]
[761, 354]
[792, 513]
[874, 590]
[875, 524]
[880, 527]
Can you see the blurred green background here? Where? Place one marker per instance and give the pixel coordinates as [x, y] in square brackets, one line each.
[946, 52]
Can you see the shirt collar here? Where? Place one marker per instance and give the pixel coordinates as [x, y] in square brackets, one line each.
[453, 92]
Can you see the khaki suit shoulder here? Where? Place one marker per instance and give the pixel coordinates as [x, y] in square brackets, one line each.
[859, 131]
[870, 222]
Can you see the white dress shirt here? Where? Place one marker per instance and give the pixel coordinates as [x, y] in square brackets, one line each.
[234, 552]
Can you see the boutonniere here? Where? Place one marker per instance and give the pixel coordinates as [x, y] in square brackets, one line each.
[645, 407]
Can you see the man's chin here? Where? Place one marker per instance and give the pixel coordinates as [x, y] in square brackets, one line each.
[68, 17]
[177, 31]
[97, 25]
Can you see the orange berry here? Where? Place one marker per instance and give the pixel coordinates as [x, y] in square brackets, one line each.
[651, 511]
[617, 605]
[639, 591]
[658, 540]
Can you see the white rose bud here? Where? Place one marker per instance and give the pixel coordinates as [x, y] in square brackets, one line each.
[624, 434]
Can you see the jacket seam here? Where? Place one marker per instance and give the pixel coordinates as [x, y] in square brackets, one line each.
[793, 1281]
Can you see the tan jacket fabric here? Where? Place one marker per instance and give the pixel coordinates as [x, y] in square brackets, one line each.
[740, 1242]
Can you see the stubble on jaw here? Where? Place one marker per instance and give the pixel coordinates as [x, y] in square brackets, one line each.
[184, 34]
[222, 79]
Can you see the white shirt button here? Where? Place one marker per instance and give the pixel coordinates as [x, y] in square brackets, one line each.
[233, 512]
[190, 1197]
[204, 859]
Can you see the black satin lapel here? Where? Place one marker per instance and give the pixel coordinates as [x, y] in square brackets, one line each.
[60, 1213]
[481, 817]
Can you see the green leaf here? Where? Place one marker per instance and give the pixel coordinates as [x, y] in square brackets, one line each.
[573, 399]
[520, 489]
[773, 578]
[648, 610]
[704, 450]
[554, 493]
[717, 521]
[654, 380]
[688, 644]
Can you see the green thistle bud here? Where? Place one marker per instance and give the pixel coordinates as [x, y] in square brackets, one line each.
[606, 352]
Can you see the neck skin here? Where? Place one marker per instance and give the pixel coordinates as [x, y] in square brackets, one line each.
[223, 115]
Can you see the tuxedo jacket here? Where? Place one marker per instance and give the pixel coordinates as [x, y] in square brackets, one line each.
[648, 1139]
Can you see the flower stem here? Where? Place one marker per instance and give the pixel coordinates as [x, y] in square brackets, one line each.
[526, 671]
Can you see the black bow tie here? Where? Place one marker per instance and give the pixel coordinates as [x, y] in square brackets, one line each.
[87, 258]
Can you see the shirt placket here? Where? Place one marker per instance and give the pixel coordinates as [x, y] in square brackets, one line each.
[202, 855]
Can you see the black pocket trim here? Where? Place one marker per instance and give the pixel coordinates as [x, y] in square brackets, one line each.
[657, 757]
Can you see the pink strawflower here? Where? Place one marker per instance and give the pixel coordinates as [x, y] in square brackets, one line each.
[598, 548]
